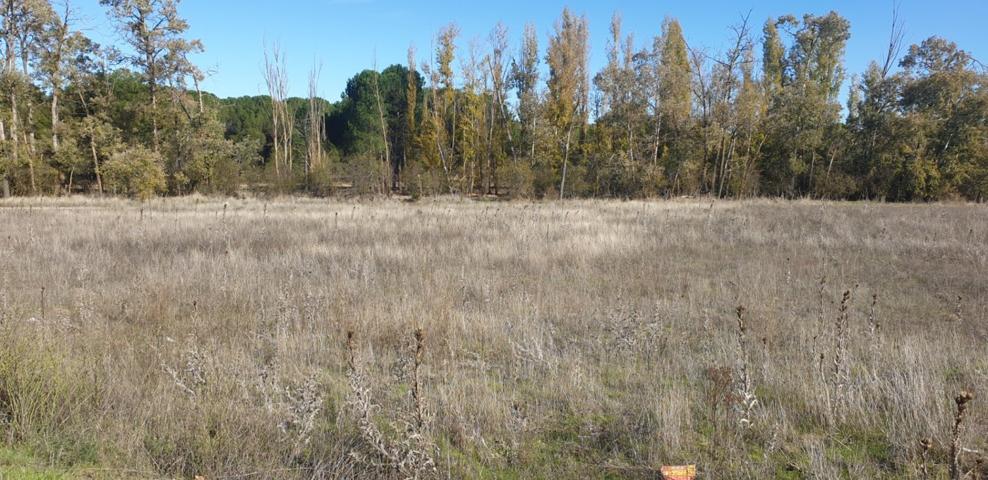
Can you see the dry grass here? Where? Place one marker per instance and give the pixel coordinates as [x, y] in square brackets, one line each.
[579, 339]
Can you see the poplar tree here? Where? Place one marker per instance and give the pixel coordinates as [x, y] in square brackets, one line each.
[805, 112]
[772, 57]
[675, 97]
[411, 108]
[445, 100]
[316, 128]
[469, 122]
[500, 125]
[568, 85]
[525, 79]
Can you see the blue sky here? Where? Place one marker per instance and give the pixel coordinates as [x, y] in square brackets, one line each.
[348, 35]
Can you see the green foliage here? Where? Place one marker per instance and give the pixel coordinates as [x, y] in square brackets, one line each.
[354, 125]
[675, 94]
[517, 179]
[368, 174]
[320, 181]
[666, 119]
[420, 180]
[24, 466]
[41, 398]
[803, 108]
[920, 133]
[214, 163]
[246, 117]
[135, 172]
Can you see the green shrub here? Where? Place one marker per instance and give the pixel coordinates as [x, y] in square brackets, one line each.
[517, 179]
[421, 180]
[367, 173]
[45, 400]
[135, 172]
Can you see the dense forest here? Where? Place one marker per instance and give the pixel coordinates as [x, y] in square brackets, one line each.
[506, 117]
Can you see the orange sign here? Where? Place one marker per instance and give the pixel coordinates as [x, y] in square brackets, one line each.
[685, 472]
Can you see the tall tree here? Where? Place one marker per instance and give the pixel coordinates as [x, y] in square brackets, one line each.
[10, 83]
[411, 108]
[154, 30]
[568, 84]
[500, 124]
[525, 78]
[282, 116]
[675, 97]
[60, 49]
[444, 102]
[23, 26]
[315, 123]
[805, 112]
[773, 56]
[944, 95]
[731, 72]
[469, 121]
[616, 84]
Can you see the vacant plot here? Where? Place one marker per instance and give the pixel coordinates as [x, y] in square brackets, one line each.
[312, 339]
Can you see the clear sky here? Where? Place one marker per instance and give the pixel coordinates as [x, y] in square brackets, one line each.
[347, 36]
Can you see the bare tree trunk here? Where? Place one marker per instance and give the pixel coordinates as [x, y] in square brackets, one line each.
[439, 127]
[452, 141]
[491, 158]
[384, 131]
[722, 166]
[275, 133]
[10, 72]
[56, 74]
[274, 78]
[96, 170]
[4, 181]
[315, 127]
[730, 163]
[288, 134]
[502, 111]
[202, 106]
[631, 143]
[148, 48]
[562, 184]
[154, 118]
[535, 126]
[54, 118]
[809, 186]
[442, 157]
[657, 140]
[14, 120]
[153, 90]
[507, 127]
[29, 141]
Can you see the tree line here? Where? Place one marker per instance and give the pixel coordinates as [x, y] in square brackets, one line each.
[495, 117]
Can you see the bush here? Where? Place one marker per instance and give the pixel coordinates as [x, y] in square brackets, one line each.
[367, 174]
[45, 401]
[320, 181]
[836, 185]
[420, 180]
[135, 172]
[46, 178]
[517, 179]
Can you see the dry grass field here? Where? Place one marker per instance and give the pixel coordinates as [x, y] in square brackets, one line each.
[245, 339]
